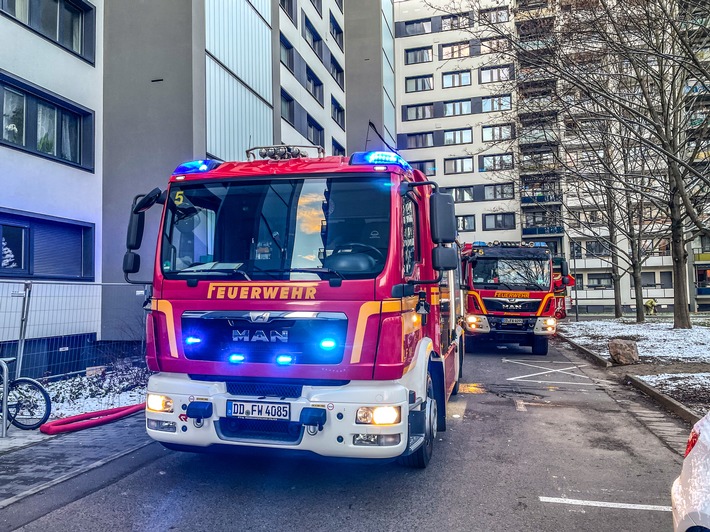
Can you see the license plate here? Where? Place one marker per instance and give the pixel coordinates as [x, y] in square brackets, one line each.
[258, 410]
[513, 321]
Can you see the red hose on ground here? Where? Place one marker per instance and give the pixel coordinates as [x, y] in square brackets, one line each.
[89, 419]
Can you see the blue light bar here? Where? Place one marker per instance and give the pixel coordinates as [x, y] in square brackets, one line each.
[235, 358]
[327, 344]
[540, 245]
[192, 340]
[479, 243]
[379, 157]
[195, 167]
[283, 360]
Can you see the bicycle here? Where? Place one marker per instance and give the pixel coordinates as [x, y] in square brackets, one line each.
[28, 403]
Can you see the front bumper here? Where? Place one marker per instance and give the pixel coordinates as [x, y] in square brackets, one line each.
[539, 326]
[339, 435]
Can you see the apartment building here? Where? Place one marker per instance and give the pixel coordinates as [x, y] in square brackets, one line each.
[481, 118]
[51, 160]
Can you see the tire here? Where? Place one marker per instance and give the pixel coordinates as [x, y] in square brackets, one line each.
[540, 345]
[28, 404]
[420, 458]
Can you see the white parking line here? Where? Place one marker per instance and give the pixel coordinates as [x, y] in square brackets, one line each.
[548, 371]
[601, 504]
[520, 406]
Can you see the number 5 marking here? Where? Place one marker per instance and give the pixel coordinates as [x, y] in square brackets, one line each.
[179, 197]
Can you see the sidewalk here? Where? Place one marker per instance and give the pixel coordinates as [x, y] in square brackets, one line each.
[31, 461]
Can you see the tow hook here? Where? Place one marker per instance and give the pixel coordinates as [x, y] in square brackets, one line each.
[199, 411]
[313, 419]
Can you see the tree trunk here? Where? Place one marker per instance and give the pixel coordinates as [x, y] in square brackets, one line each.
[681, 313]
[638, 293]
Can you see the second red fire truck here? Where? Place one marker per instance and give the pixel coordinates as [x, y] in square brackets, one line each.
[300, 303]
[512, 294]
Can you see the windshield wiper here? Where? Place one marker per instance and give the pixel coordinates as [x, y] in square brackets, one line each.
[306, 270]
[223, 271]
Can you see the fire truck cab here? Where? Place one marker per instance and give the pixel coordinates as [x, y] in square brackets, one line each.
[302, 303]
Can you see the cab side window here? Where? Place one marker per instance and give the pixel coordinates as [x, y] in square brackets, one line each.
[410, 227]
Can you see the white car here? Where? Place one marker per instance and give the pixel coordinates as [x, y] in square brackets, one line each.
[691, 490]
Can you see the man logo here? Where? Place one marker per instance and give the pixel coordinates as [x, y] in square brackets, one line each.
[259, 336]
[259, 317]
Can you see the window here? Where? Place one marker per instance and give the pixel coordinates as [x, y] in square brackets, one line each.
[666, 279]
[456, 50]
[314, 85]
[598, 248]
[494, 45]
[462, 194]
[338, 150]
[496, 103]
[497, 73]
[339, 3]
[337, 72]
[498, 192]
[337, 112]
[420, 140]
[492, 222]
[494, 16]
[466, 223]
[496, 162]
[600, 280]
[500, 132]
[410, 238]
[542, 218]
[457, 107]
[36, 125]
[458, 165]
[314, 132]
[425, 167]
[420, 112]
[648, 280]
[288, 7]
[419, 83]
[458, 136]
[417, 27]
[36, 247]
[456, 79]
[455, 22]
[312, 38]
[287, 107]
[287, 53]
[62, 21]
[336, 31]
[576, 249]
[417, 55]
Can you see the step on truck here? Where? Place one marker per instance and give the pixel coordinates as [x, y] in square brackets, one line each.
[302, 303]
[512, 295]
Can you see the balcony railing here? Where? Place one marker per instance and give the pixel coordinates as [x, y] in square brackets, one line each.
[538, 166]
[543, 230]
[538, 136]
[532, 199]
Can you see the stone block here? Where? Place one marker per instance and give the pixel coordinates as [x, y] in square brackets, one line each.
[623, 351]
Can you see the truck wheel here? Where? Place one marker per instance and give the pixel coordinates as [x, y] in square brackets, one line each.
[419, 459]
[540, 345]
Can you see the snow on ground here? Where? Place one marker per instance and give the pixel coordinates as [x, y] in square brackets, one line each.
[655, 339]
[691, 389]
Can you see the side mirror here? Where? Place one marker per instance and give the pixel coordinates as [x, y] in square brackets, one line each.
[134, 235]
[443, 218]
[131, 262]
[564, 269]
[402, 290]
[565, 280]
[147, 201]
[444, 259]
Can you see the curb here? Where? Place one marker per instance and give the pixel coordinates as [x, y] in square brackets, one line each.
[668, 403]
[589, 355]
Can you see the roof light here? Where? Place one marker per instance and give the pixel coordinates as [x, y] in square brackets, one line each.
[236, 358]
[379, 157]
[283, 360]
[478, 243]
[194, 167]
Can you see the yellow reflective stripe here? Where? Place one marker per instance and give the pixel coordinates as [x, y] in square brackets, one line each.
[543, 304]
[164, 306]
[366, 310]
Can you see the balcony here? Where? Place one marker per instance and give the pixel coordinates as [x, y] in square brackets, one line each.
[543, 230]
[535, 199]
[532, 74]
[539, 43]
[538, 136]
[538, 167]
[702, 257]
[541, 104]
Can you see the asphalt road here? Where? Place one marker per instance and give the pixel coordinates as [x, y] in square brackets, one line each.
[534, 444]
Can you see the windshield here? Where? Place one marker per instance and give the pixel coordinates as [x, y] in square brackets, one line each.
[520, 274]
[299, 229]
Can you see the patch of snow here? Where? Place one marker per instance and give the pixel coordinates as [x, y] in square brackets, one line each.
[654, 339]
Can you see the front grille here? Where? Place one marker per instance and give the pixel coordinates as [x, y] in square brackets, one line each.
[264, 389]
[260, 429]
[500, 305]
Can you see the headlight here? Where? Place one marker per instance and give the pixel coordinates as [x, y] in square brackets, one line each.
[159, 403]
[378, 415]
[550, 322]
[470, 319]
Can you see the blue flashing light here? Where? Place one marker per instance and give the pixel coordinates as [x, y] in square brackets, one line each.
[283, 360]
[327, 344]
[192, 340]
[195, 167]
[379, 157]
[540, 245]
[479, 243]
[236, 358]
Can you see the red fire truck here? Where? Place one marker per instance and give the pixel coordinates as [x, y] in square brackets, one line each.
[512, 294]
[302, 303]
